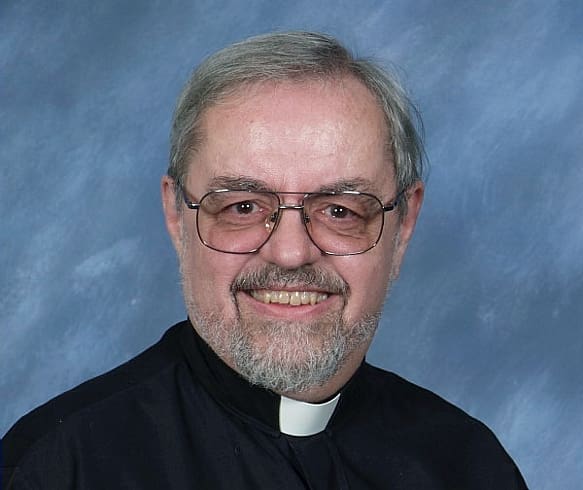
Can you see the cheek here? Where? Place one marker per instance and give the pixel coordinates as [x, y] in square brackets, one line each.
[210, 275]
[368, 283]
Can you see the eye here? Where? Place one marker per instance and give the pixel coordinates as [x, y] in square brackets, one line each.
[244, 210]
[338, 211]
[245, 207]
[344, 213]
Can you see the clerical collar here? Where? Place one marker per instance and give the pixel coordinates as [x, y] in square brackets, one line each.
[298, 418]
[274, 413]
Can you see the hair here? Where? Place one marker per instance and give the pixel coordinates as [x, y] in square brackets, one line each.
[294, 56]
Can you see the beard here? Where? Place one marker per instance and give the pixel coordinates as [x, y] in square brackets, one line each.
[284, 356]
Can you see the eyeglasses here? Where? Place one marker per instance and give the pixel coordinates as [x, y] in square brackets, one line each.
[338, 223]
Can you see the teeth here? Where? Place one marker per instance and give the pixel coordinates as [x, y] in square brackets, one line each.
[294, 298]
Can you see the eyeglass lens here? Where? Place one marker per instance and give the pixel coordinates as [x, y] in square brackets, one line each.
[242, 221]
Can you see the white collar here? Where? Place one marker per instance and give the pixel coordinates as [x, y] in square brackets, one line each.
[298, 418]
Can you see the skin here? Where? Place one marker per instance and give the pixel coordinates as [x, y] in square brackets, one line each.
[293, 136]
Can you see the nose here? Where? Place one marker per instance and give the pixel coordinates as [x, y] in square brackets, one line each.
[289, 245]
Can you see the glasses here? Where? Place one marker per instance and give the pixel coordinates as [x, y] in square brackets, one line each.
[338, 223]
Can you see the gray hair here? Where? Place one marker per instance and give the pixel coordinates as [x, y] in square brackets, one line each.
[295, 56]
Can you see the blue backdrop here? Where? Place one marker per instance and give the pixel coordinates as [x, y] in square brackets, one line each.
[489, 309]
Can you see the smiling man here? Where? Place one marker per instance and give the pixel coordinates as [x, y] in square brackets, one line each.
[299, 234]
[292, 193]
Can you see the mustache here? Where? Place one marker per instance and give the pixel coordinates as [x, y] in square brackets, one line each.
[271, 276]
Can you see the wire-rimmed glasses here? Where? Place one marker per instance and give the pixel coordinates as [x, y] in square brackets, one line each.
[242, 221]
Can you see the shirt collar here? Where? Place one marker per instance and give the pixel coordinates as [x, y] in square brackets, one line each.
[297, 418]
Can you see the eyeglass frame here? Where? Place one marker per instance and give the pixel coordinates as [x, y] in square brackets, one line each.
[385, 208]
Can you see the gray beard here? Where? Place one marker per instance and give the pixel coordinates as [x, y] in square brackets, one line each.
[298, 356]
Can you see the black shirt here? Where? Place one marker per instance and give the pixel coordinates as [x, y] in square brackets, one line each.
[176, 417]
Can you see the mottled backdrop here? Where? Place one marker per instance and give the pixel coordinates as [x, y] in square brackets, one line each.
[489, 308]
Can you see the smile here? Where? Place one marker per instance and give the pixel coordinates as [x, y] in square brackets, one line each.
[293, 298]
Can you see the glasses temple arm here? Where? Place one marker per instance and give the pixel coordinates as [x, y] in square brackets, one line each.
[187, 201]
[395, 202]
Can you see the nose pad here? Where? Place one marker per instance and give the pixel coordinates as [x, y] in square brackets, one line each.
[291, 246]
[272, 221]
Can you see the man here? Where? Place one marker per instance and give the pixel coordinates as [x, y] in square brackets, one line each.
[293, 190]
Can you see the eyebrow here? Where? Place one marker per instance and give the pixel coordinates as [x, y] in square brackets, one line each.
[238, 182]
[342, 185]
[246, 183]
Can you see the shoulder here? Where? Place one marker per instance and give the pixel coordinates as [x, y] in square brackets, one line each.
[104, 390]
[427, 425]
[412, 407]
[408, 401]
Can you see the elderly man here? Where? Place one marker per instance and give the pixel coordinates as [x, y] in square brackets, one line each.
[293, 190]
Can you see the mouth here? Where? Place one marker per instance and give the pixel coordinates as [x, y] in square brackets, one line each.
[291, 298]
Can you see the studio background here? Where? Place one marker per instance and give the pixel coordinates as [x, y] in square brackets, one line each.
[489, 308]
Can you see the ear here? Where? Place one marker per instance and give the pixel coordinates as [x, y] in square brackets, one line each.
[171, 214]
[407, 226]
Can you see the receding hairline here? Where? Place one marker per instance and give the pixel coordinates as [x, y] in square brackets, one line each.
[296, 56]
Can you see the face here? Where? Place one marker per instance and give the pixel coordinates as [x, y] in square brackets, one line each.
[294, 137]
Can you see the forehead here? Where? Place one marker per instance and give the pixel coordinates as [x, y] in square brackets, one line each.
[295, 136]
